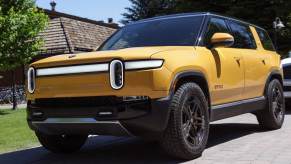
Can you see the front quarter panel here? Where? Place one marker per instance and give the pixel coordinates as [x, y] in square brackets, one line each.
[183, 59]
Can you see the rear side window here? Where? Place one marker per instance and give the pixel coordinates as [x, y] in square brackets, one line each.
[243, 37]
[215, 25]
[265, 40]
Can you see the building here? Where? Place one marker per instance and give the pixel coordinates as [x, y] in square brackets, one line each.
[65, 34]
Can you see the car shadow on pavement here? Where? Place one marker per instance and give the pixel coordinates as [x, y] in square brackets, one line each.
[105, 149]
[222, 133]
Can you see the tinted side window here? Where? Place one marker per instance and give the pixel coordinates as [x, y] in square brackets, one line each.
[215, 25]
[243, 37]
[265, 40]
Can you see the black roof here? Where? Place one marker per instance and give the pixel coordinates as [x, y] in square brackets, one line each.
[193, 14]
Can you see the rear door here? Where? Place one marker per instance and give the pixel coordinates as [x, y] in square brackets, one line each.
[256, 63]
[266, 51]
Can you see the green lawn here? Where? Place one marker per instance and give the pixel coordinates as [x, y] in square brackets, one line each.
[14, 131]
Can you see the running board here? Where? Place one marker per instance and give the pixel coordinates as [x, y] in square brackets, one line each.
[219, 112]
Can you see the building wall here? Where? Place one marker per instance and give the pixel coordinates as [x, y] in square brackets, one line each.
[6, 79]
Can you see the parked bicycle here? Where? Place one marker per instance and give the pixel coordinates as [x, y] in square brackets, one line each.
[6, 95]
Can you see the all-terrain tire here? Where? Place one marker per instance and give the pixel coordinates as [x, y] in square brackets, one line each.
[272, 117]
[173, 140]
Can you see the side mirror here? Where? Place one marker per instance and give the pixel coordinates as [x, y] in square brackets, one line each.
[222, 40]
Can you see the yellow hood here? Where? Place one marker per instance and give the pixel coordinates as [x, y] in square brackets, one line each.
[101, 56]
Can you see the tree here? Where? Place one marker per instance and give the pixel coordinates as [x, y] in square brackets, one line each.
[20, 24]
[142, 9]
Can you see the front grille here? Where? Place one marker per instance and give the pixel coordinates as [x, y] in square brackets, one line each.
[78, 102]
[87, 107]
[287, 72]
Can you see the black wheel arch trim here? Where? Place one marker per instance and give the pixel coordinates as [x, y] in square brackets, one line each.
[274, 73]
[190, 73]
[183, 74]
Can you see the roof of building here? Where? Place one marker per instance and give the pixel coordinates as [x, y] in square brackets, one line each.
[56, 14]
[71, 34]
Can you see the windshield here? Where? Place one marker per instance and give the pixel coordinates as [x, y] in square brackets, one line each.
[182, 31]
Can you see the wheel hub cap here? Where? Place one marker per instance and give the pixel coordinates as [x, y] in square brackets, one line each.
[193, 123]
[277, 104]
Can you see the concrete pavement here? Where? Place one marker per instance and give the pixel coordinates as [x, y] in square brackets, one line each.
[237, 140]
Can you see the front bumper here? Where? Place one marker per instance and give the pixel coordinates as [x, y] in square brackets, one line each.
[287, 88]
[103, 116]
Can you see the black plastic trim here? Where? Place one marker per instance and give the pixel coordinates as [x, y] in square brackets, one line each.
[219, 112]
[271, 74]
[150, 120]
[93, 127]
[190, 73]
[154, 123]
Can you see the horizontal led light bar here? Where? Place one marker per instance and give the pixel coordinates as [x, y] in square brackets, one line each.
[143, 64]
[72, 69]
[91, 68]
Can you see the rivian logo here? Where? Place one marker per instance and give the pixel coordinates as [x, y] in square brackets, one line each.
[218, 86]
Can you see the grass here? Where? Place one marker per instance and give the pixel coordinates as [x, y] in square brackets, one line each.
[14, 131]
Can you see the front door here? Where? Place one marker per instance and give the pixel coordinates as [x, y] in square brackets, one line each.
[228, 76]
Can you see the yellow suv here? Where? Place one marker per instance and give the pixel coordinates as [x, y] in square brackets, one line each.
[162, 78]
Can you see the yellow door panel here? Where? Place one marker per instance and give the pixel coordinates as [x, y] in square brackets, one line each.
[256, 70]
[230, 75]
[227, 75]
[257, 65]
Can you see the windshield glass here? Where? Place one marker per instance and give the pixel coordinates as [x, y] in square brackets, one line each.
[182, 31]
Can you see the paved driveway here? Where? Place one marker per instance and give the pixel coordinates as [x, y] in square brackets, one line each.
[236, 140]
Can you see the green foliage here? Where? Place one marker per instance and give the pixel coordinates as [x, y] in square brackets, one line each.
[287, 31]
[20, 24]
[142, 9]
[259, 12]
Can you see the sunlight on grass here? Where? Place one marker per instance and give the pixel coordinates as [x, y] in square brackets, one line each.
[14, 131]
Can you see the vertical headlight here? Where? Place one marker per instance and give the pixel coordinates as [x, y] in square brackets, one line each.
[31, 80]
[116, 74]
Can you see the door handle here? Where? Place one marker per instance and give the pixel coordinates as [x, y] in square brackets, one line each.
[237, 58]
[263, 60]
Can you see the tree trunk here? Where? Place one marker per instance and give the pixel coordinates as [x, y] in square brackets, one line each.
[14, 91]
